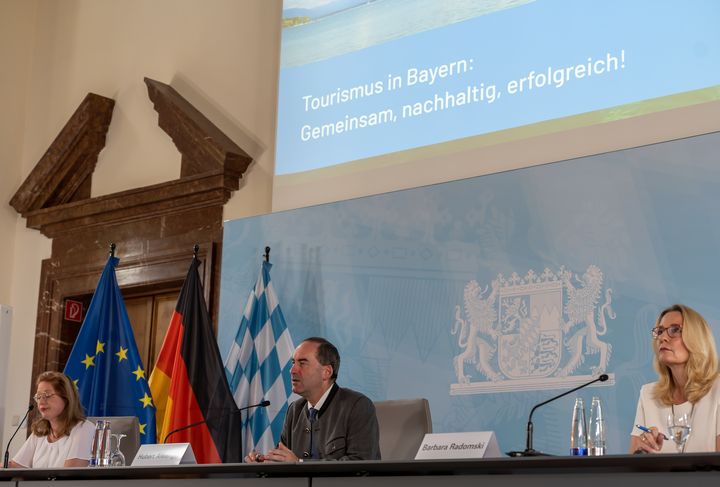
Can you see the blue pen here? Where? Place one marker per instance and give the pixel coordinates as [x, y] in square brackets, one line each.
[648, 430]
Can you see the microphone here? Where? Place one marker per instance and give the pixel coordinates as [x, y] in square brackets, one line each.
[6, 460]
[262, 404]
[529, 451]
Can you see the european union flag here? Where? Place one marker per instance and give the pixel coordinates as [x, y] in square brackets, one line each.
[104, 362]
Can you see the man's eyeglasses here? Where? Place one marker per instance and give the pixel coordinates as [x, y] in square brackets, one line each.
[672, 331]
[45, 396]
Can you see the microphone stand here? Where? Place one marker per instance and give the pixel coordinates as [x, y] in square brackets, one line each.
[262, 404]
[529, 450]
[6, 459]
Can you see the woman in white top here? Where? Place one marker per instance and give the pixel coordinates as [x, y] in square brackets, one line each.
[61, 437]
[687, 366]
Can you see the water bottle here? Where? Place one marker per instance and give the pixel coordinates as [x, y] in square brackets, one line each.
[97, 441]
[596, 434]
[105, 450]
[578, 435]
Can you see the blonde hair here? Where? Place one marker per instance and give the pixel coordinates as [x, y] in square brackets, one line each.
[702, 364]
[73, 412]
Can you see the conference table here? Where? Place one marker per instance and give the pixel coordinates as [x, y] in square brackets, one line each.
[613, 470]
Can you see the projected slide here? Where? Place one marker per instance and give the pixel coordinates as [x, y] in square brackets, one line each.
[361, 79]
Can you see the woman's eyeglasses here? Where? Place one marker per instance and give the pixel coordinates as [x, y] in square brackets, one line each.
[672, 331]
[43, 397]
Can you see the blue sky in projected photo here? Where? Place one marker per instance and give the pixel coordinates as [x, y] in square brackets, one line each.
[646, 49]
[340, 26]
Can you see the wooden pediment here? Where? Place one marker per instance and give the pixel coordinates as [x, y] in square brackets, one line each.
[64, 173]
[55, 197]
[203, 146]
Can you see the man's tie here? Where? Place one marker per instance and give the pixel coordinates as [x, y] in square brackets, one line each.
[313, 446]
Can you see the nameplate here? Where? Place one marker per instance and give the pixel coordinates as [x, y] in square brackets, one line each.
[166, 454]
[473, 444]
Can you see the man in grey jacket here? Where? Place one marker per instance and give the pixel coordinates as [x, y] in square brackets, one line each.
[329, 422]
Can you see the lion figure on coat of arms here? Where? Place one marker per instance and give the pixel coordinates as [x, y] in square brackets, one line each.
[580, 325]
[474, 332]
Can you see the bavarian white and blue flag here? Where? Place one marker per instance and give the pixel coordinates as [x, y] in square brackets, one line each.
[258, 365]
[104, 363]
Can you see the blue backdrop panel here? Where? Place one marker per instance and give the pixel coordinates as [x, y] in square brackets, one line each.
[491, 294]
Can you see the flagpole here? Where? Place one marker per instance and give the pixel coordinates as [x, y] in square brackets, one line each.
[267, 254]
[112, 249]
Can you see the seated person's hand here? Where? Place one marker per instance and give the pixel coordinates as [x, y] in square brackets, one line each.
[649, 442]
[281, 454]
[254, 457]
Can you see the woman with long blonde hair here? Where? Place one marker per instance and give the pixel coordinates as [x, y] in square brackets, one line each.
[61, 437]
[687, 366]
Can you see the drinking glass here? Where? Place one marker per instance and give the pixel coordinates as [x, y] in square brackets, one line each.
[679, 429]
[117, 459]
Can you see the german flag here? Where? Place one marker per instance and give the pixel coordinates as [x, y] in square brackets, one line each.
[188, 383]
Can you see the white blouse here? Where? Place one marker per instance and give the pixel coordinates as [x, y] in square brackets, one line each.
[38, 452]
[704, 417]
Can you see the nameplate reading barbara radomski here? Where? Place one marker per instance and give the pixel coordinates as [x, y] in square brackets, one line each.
[472, 444]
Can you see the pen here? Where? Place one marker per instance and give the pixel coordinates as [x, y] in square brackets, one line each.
[648, 430]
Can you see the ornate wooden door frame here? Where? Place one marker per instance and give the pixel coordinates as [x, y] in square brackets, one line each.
[154, 227]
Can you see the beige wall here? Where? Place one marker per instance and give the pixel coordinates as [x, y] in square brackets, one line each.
[17, 35]
[16, 41]
[222, 55]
